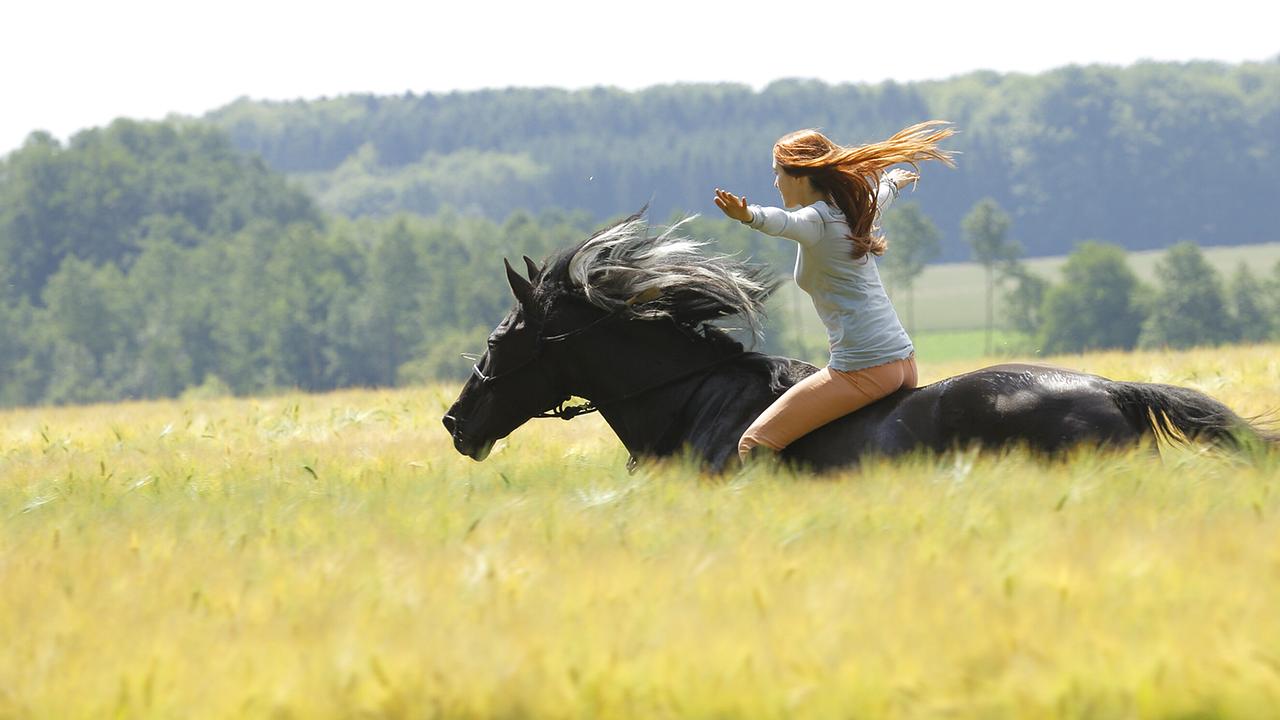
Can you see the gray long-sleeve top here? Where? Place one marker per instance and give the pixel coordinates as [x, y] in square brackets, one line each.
[863, 329]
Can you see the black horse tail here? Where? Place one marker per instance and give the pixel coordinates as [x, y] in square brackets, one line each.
[1183, 414]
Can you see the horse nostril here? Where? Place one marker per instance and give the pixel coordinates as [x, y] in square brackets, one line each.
[449, 423]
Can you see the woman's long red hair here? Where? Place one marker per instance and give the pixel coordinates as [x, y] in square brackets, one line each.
[851, 176]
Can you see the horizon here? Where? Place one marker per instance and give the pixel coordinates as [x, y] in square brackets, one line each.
[145, 60]
[65, 137]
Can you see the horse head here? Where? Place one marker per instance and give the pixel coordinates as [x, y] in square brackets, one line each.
[561, 328]
[512, 381]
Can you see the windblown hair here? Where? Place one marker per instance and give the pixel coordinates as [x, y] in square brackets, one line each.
[851, 176]
[625, 268]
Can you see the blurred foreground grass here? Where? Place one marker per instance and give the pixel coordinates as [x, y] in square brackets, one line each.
[325, 556]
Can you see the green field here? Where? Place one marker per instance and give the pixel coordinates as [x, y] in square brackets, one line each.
[950, 310]
[951, 296]
[331, 556]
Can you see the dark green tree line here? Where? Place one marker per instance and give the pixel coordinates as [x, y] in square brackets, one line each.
[150, 259]
[103, 195]
[147, 259]
[1131, 156]
[1100, 304]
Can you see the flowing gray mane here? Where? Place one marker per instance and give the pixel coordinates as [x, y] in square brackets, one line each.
[625, 268]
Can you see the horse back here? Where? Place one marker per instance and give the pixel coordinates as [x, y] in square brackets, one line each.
[1044, 408]
[1041, 407]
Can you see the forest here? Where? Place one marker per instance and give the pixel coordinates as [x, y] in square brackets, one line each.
[1142, 156]
[358, 241]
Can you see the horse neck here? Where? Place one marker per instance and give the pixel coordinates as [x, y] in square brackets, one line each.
[658, 379]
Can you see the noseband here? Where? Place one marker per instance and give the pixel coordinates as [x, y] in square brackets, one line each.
[562, 411]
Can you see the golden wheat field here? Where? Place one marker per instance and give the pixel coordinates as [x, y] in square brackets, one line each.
[331, 556]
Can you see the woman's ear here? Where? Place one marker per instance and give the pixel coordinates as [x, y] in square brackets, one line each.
[811, 183]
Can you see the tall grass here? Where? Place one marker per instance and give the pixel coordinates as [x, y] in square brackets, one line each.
[326, 556]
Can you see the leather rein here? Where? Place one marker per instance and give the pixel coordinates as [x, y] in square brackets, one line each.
[569, 412]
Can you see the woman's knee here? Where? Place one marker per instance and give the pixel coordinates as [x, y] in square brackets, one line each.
[751, 440]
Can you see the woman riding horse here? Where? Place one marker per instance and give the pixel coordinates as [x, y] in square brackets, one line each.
[622, 319]
[833, 196]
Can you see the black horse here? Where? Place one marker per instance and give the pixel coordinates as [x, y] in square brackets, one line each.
[623, 320]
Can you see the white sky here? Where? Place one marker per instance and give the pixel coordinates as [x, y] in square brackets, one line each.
[70, 64]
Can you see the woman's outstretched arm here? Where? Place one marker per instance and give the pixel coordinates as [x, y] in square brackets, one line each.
[803, 226]
[890, 183]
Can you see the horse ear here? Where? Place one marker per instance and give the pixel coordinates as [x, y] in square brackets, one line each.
[522, 288]
[532, 268]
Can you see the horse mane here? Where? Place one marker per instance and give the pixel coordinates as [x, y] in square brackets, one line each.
[624, 268]
[627, 269]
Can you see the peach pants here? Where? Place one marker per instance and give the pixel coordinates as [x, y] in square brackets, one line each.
[821, 398]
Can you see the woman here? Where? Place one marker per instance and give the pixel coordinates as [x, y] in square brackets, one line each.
[833, 197]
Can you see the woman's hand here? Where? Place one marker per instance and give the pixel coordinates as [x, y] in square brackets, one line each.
[732, 205]
[901, 177]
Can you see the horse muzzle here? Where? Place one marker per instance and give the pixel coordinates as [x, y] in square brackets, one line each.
[475, 449]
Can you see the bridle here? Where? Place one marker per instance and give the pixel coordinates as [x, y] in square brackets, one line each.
[564, 411]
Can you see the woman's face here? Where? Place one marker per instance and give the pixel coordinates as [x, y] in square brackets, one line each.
[789, 187]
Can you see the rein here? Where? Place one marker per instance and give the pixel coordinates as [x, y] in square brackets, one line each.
[569, 412]
[537, 349]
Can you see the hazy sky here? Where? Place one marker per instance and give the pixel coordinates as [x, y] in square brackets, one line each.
[71, 64]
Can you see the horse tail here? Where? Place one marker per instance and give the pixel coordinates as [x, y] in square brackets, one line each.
[1184, 415]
